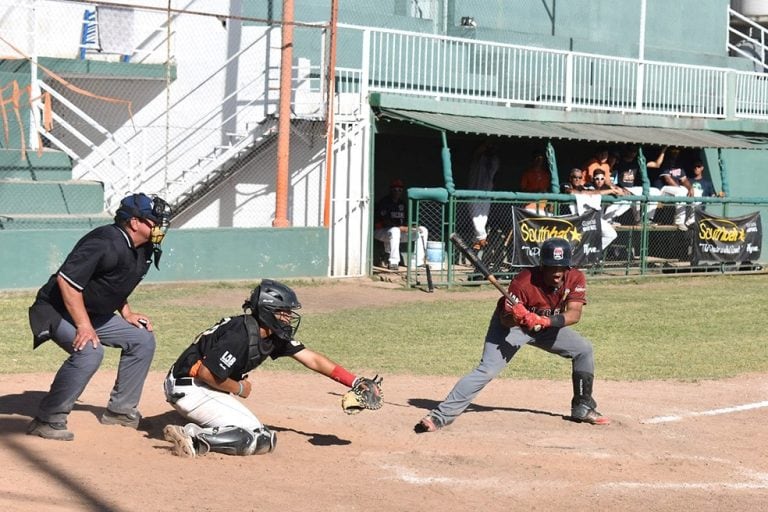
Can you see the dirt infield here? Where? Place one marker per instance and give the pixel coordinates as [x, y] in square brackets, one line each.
[672, 446]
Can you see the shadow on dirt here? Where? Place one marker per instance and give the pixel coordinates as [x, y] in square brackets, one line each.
[425, 403]
[316, 438]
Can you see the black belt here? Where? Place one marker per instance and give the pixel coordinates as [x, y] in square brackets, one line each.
[184, 381]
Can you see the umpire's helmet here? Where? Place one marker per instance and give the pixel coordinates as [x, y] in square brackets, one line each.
[273, 304]
[143, 206]
[555, 252]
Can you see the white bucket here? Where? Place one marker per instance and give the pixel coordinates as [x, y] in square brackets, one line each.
[435, 255]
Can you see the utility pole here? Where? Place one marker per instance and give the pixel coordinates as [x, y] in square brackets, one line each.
[284, 121]
[329, 131]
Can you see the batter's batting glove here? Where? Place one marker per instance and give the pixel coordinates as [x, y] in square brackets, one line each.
[531, 320]
[518, 311]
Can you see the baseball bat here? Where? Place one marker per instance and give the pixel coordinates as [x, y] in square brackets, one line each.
[427, 268]
[487, 274]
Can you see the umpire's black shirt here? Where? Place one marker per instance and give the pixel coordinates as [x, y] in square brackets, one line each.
[105, 266]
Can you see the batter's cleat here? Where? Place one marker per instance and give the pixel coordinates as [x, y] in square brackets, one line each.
[428, 423]
[584, 414]
[56, 431]
[394, 267]
[130, 420]
[183, 444]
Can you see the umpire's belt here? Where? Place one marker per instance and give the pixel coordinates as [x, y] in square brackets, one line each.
[184, 381]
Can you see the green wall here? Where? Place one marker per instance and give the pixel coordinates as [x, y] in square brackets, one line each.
[685, 31]
[27, 258]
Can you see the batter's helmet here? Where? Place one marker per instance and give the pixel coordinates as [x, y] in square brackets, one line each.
[555, 252]
[273, 304]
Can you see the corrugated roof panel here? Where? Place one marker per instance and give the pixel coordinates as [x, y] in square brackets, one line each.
[571, 131]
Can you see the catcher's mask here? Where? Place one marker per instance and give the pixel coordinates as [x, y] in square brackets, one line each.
[555, 252]
[273, 304]
[151, 208]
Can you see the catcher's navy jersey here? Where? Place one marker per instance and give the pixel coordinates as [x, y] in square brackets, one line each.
[529, 287]
[223, 349]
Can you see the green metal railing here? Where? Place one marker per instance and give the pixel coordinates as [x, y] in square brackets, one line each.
[640, 248]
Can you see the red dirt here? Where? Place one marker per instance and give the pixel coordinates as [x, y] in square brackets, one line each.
[512, 450]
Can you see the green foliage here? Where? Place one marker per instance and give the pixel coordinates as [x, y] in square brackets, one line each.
[669, 328]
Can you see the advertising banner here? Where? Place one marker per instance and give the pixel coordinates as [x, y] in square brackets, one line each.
[721, 239]
[582, 231]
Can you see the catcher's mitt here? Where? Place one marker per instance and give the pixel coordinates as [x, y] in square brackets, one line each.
[365, 394]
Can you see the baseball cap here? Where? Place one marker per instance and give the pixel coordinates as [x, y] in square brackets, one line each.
[397, 183]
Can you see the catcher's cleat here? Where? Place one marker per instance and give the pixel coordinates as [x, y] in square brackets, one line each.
[183, 444]
[428, 423]
[584, 414]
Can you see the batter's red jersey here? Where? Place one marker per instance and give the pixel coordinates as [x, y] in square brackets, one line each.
[529, 287]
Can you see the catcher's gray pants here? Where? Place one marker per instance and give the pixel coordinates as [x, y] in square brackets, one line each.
[138, 349]
[501, 345]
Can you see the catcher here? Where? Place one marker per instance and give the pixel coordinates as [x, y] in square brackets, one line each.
[205, 381]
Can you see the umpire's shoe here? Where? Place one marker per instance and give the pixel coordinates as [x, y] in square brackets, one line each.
[130, 420]
[57, 431]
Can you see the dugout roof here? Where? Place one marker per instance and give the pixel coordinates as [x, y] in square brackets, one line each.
[685, 138]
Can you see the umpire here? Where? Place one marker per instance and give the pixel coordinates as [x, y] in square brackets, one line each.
[76, 309]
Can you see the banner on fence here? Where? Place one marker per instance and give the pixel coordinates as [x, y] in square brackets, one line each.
[582, 231]
[727, 239]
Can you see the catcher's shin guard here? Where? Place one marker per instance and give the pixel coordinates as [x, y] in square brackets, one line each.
[236, 441]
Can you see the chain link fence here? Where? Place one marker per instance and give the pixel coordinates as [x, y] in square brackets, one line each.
[173, 98]
[635, 248]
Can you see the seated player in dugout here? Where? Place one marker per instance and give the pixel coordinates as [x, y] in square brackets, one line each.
[391, 227]
[551, 297]
[204, 383]
[536, 178]
[598, 161]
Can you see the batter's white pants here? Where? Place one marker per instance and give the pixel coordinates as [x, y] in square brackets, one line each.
[393, 237]
[199, 403]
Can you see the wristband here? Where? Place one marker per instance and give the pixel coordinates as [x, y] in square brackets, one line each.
[240, 393]
[557, 321]
[340, 374]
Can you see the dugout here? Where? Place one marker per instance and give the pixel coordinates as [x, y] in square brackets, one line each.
[431, 150]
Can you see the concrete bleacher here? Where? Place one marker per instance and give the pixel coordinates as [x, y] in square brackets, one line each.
[37, 192]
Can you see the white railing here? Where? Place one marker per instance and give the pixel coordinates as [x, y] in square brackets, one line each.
[751, 95]
[109, 161]
[466, 70]
[751, 44]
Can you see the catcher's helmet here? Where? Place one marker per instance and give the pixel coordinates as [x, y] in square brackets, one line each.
[555, 252]
[273, 304]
